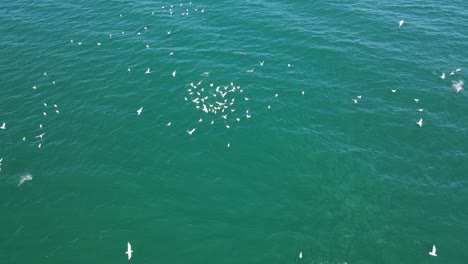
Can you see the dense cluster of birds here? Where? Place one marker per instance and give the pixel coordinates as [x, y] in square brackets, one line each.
[214, 102]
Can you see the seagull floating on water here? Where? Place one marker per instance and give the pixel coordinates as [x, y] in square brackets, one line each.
[416, 100]
[261, 63]
[129, 250]
[300, 255]
[433, 252]
[168, 124]
[3, 126]
[174, 73]
[420, 122]
[148, 71]
[140, 110]
[394, 90]
[442, 76]
[251, 70]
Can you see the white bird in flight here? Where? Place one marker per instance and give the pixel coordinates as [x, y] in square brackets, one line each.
[169, 124]
[140, 110]
[416, 100]
[401, 23]
[394, 90]
[148, 71]
[300, 255]
[3, 126]
[261, 63]
[174, 73]
[251, 70]
[40, 136]
[129, 250]
[420, 122]
[442, 76]
[190, 132]
[433, 252]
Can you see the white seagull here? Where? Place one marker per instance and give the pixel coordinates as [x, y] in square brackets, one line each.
[3, 126]
[169, 124]
[401, 23]
[148, 71]
[433, 252]
[191, 131]
[394, 90]
[251, 70]
[140, 110]
[261, 63]
[174, 73]
[416, 100]
[300, 255]
[420, 122]
[442, 76]
[129, 250]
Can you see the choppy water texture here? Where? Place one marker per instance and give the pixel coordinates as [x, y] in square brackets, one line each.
[310, 171]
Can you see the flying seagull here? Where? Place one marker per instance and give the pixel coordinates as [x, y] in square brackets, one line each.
[139, 111]
[420, 122]
[300, 254]
[148, 71]
[433, 252]
[129, 250]
[401, 23]
[191, 131]
[3, 126]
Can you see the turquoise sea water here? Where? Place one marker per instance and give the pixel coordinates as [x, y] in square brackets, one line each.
[310, 171]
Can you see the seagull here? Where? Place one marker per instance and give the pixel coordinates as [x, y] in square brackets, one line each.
[433, 252]
[261, 63]
[300, 255]
[44, 113]
[420, 122]
[40, 145]
[227, 126]
[140, 110]
[57, 111]
[55, 105]
[420, 109]
[40, 126]
[394, 90]
[174, 73]
[452, 73]
[401, 23]
[129, 70]
[34, 87]
[45, 104]
[302, 92]
[442, 76]
[457, 70]
[251, 70]
[169, 32]
[24, 138]
[458, 86]
[129, 250]
[289, 65]
[191, 131]
[276, 95]
[3, 126]
[45, 74]
[228, 145]
[148, 71]
[359, 96]
[147, 46]
[416, 100]
[268, 106]
[40, 136]
[168, 124]
[99, 43]
[355, 101]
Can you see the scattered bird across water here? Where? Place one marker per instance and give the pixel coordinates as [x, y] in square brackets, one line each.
[394, 90]
[140, 110]
[433, 252]
[420, 122]
[129, 250]
[300, 255]
[3, 126]
[261, 63]
[168, 124]
[458, 86]
[420, 109]
[190, 132]
[174, 73]
[148, 71]
[401, 23]
[416, 100]
[251, 70]
[442, 76]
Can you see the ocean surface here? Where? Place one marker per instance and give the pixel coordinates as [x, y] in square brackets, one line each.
[306, 136]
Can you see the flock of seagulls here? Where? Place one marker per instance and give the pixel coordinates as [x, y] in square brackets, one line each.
[217, 102]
